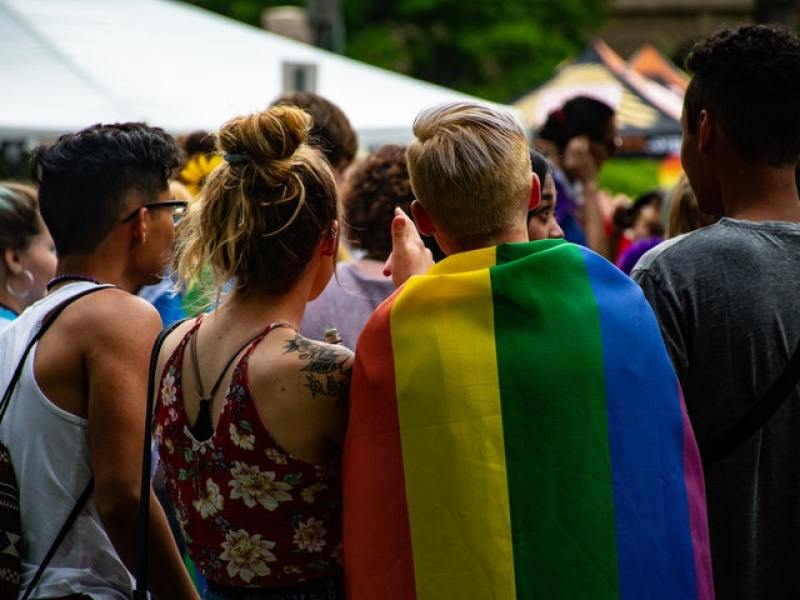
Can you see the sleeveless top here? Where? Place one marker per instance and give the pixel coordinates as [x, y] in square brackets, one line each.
[252, 514]
[53, 462]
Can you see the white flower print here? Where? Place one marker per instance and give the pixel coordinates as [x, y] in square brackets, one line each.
[310, 536]
[244, 441]
[247, 555]
[210, 502]
[291, 570]
[255, 486]
[168, 389]
[275, 456]
[309, 494]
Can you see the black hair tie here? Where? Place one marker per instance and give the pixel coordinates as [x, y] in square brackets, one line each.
[236, 158]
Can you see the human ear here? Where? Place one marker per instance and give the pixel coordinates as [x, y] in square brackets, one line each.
[705, 132]
[329, 241]
[536, 192]
[422, 219]
[12, 262]
[139, 227]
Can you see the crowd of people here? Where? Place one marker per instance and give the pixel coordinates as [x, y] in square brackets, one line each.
[453, 369]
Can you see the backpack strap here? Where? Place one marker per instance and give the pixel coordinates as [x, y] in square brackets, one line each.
[48, 320]
[756, 417]
[71, 518]
[143, 532]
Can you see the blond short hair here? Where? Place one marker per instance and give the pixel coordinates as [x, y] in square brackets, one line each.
[470, 169]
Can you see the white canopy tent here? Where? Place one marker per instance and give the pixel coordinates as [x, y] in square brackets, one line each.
[65, 64]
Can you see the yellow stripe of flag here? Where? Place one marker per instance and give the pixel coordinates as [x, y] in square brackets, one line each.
[449, 409]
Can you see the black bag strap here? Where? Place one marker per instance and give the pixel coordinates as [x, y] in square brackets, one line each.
[48, 320]
[71, 518]
[143, 532]
[756, 417]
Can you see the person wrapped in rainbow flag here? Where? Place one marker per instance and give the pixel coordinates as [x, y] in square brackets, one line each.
[516, 427]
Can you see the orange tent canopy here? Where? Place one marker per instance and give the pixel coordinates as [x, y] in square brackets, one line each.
[652, 64]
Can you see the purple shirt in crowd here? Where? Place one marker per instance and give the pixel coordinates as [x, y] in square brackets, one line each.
[345, 304]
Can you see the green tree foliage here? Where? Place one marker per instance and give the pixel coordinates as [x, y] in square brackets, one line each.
[496, 50]
[630, 176]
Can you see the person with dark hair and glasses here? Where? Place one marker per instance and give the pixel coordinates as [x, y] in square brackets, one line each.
[725, 296]
[584, 134]
[177, 208]
[78, 411]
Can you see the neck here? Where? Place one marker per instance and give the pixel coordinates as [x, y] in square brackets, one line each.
[101, 268]
[251, 310]
[510, 236]
[9, 301]
[761, 194]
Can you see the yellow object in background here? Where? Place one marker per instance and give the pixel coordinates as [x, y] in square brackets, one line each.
[197, 169]
[669, 172]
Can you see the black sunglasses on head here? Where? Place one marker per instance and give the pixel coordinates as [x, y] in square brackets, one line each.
[178, 208]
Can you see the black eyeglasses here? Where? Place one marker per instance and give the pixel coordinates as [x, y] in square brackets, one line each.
[178, 209]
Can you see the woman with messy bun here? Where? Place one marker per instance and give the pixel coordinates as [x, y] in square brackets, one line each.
[249, 414]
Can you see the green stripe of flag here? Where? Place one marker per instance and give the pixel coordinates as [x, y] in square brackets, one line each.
[555, 424]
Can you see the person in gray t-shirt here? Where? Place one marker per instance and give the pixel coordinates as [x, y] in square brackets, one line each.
[726, 298]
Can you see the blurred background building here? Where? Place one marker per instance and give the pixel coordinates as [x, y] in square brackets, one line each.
[673, 25]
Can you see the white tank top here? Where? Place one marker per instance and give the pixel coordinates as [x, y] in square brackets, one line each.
[52, 461]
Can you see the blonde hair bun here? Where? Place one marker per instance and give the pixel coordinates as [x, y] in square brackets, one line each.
[268, 139]
[271, 180]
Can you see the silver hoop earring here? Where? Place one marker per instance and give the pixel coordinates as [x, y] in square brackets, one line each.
[16, 293]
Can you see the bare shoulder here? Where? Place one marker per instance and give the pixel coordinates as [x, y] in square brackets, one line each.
[316, 368]
[327, 367]
[109, 315]
[307, 383]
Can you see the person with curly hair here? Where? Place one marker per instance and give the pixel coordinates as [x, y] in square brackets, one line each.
[375, 187]
[725, 299]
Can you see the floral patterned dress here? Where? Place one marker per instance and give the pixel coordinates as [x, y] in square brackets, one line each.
[252, 514]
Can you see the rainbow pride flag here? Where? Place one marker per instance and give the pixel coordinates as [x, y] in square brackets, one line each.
[517, 431]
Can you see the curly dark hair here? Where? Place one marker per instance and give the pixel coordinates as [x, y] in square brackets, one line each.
[374, 187]
[85, 178]
[748, 78]
[332, 130]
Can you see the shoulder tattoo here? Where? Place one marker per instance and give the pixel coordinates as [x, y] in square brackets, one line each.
[324, 368]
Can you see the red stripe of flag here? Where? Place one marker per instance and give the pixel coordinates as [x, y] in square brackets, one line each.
[376, 526]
